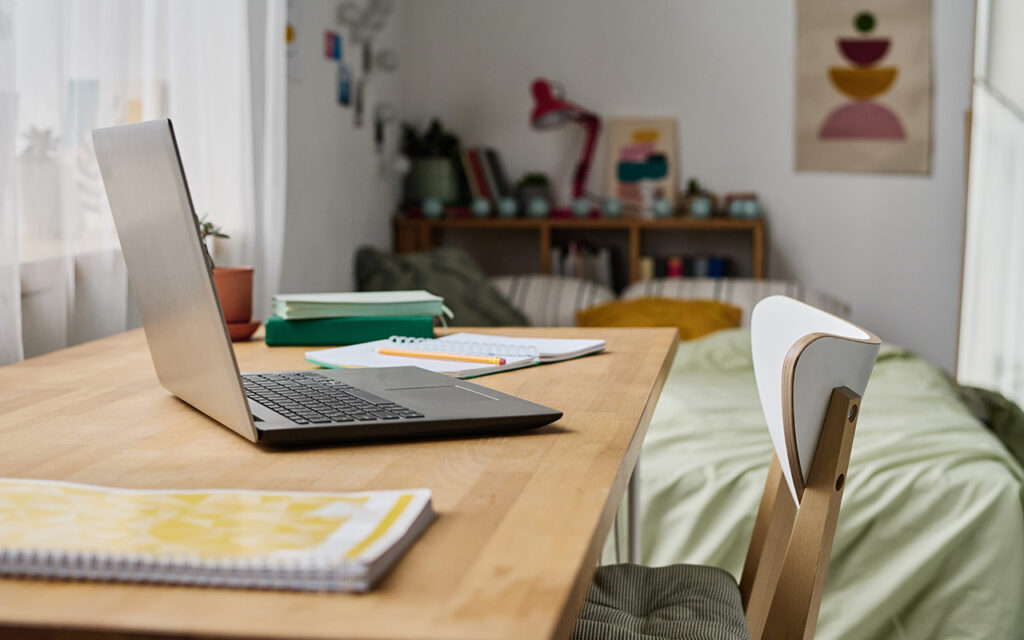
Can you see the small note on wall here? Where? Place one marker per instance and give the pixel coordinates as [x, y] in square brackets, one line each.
[332, 45]
[863, 86]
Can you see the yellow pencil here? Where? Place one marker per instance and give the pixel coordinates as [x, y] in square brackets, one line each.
[441, 356]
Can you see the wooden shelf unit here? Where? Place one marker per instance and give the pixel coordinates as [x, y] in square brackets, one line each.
[420, 234]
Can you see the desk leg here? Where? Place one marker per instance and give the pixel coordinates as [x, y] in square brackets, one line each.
[633, 523]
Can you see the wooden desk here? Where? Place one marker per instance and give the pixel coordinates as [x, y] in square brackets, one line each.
[522, 518]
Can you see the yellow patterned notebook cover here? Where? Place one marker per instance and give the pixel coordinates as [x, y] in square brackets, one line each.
[264, 533]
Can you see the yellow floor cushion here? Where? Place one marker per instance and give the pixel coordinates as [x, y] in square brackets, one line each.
[693, 318]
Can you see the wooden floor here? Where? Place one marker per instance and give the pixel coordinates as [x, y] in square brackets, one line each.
[521, 518]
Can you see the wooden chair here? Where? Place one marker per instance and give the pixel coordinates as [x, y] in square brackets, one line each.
[811, 370]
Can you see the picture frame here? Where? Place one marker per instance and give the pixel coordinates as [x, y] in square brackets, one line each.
[642, 163]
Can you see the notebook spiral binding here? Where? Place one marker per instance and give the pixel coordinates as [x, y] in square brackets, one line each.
[293, 575]
[466, 348]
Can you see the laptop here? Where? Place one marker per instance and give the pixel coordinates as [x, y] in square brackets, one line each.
[169, 271]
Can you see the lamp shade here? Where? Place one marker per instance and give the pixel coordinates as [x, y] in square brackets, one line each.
[551, 110]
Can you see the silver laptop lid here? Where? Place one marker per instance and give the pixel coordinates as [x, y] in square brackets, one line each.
[169, 270]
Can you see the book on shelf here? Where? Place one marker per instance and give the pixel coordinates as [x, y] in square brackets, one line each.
[579, 260]
[674, 267]
[288, 540]
[690, 266]
[292, 306]
[504, 187]
[477, 168]
[646, 267]
[700, 267]
[515, 352]
[346, 330]
[492, 181]
[718, 266]
[469, 175]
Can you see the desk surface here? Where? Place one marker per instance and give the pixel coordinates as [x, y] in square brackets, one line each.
[522, 518]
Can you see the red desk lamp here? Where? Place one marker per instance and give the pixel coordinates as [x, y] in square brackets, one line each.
[551, 110]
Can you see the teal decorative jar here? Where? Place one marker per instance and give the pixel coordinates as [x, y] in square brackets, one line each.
[612, 208]
[433, 208]
[700, 207]
[481, 207]
[508, 207]
[538, 208]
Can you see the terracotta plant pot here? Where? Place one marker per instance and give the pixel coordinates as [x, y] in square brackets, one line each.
[234, 288]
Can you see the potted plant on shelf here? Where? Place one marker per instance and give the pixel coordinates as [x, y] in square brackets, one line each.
[233, 284]
[434, 163]
[534, 193]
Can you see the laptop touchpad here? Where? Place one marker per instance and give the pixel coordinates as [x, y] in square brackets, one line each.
[447, 394]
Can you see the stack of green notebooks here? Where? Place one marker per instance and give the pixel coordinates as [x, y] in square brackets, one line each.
[313, 319]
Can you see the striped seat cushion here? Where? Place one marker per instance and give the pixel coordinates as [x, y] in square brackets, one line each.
[682, 601]
[551, 301]
[741, 292]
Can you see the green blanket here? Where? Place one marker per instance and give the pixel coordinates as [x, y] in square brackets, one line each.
[930, 541]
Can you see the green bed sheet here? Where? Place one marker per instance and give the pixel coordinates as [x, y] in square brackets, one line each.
[930, 542]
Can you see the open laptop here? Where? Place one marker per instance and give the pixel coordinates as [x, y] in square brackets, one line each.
[188, 339]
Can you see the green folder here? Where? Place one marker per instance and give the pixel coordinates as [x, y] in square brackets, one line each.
[344, 331]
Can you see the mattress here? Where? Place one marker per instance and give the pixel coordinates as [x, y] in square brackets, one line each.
[930, 542]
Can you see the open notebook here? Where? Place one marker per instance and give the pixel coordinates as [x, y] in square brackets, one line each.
[216, 538]
[517, 352]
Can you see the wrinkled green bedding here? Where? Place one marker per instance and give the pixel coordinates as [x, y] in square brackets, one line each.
[930, 541]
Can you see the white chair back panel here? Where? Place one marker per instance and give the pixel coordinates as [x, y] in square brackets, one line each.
[826, 363]
[778, 324]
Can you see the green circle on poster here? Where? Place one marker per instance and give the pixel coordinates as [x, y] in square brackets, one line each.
[864, 21]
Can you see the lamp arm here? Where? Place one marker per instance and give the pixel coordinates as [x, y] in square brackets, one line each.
[593, 126]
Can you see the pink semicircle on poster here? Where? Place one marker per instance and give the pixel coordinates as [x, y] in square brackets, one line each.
[862, 120]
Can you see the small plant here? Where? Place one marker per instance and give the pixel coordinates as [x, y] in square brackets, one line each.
[435, 141]
[536, 179]
[207, 229]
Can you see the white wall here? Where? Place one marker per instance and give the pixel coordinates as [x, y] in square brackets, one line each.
[337, 197]
[888, 244]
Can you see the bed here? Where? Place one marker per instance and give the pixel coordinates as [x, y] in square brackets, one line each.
[930, 542]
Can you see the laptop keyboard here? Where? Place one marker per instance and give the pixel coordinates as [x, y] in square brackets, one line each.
[310, 398]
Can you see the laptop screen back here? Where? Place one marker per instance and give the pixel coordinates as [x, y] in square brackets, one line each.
[169, 270]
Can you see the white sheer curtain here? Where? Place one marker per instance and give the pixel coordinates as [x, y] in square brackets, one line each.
[68, 66]
[991, 352]
[992, 312]
[10, 289]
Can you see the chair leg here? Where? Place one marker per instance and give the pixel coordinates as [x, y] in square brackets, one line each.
[797, 598]
[772, 530]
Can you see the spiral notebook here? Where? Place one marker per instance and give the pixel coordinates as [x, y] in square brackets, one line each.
[212, 538]
[517, 353]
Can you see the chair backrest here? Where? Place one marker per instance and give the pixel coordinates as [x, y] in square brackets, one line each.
[811, 370]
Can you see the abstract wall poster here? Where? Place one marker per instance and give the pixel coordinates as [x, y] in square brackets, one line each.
[641, 162]
[863, 85]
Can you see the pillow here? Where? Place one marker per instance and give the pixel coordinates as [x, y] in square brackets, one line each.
[693, 318]
[551, 301]
[446, 272]
[742, 292]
